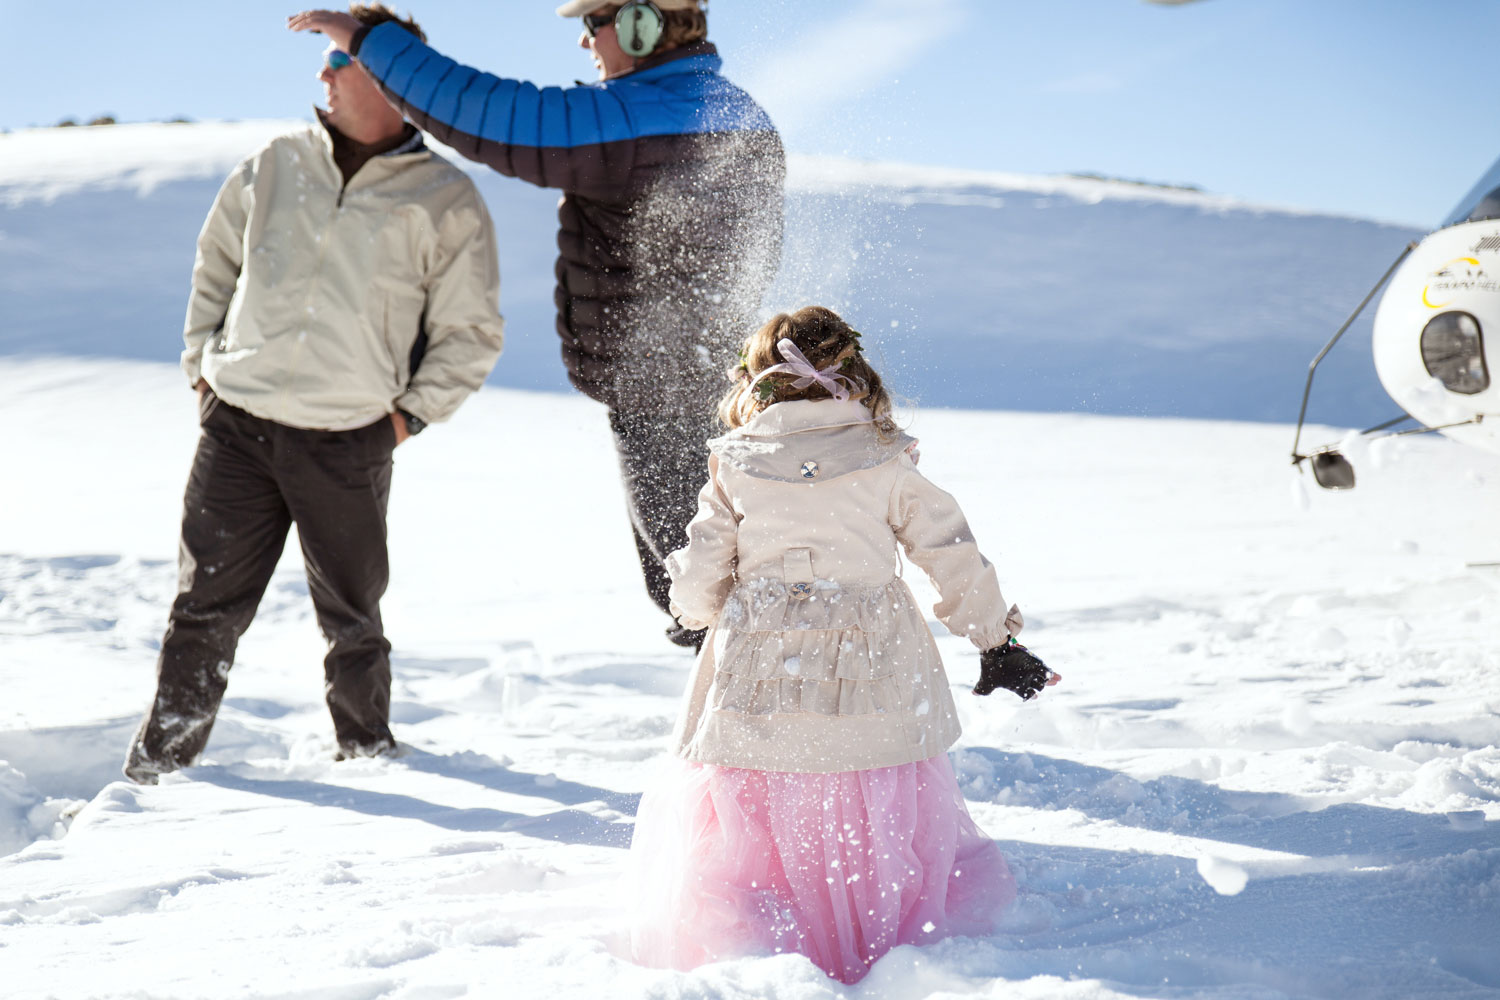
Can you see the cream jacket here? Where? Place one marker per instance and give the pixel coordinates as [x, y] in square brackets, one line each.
[819, 659]
[308, 296]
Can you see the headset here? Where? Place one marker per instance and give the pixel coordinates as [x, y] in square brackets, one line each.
[638, 27]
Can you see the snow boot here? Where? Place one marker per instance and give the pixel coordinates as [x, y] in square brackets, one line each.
[177, 740]
[140, 768]
[380, 748]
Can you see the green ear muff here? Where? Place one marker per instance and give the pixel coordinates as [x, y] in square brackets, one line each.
[638, 27]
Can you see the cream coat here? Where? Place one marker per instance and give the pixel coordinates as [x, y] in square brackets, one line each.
[308, 296]
[819, 659]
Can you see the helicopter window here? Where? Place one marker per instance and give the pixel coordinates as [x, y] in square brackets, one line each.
[1453, 351]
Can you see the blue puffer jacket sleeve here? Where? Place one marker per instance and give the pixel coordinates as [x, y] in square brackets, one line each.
[581, 138]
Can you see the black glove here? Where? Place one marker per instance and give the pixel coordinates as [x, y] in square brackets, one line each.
[1013, 667]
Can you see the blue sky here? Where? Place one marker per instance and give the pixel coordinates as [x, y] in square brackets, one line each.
[1372, 108]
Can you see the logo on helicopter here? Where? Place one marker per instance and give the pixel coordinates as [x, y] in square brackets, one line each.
[1461, 274]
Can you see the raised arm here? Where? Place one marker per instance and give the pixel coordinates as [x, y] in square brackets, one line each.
[936, 537]
[575, 138]
[216, 269]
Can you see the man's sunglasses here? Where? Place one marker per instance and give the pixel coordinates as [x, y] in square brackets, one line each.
[337, 59]
[593, 22]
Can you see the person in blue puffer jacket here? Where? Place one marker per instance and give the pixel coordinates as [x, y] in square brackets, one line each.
[669, 229]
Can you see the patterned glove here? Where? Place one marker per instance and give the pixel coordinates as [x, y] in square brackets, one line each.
[1013, 667]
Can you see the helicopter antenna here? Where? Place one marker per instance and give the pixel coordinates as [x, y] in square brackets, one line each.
[1298, 457]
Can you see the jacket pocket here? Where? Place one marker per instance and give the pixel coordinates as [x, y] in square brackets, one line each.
[401, 329]
[208, 403]
[388, 433]
[392, 348]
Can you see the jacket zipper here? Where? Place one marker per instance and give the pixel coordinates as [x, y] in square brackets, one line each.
[338, 207]
[324, 239]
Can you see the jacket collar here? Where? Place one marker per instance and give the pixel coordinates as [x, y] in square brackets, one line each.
[412, 140]
[699, 57]
[831, 438]
[798, 415]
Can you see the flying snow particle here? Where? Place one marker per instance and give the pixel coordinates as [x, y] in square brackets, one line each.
[1224, 877]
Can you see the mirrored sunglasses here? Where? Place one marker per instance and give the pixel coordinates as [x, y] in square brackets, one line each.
[593, 22]
[337, 59]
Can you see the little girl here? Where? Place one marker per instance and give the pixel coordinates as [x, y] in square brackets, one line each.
[815, 809]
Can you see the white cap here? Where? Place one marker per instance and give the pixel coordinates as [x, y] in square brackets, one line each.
[578, 8]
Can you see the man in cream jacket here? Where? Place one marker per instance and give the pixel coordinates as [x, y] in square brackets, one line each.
[344, 297]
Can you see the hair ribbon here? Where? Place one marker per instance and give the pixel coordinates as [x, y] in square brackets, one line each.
[798, 365]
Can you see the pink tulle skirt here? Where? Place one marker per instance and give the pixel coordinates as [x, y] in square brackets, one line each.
[838, 867]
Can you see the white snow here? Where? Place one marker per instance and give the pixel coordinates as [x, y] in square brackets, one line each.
[1271, 769]
[44, 163]
[982, 188]
[1059, 293]
[1349, 795]
[47, 163]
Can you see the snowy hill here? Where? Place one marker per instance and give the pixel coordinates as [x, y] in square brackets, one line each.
[991, 291]
[1271, 770]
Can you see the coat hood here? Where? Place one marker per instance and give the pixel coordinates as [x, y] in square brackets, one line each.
[808, 441]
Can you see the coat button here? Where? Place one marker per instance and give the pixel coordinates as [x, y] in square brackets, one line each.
[800, 591]
[809, 470]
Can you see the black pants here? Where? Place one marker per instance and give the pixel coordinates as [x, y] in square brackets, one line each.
[664, 463]
[251, 479]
